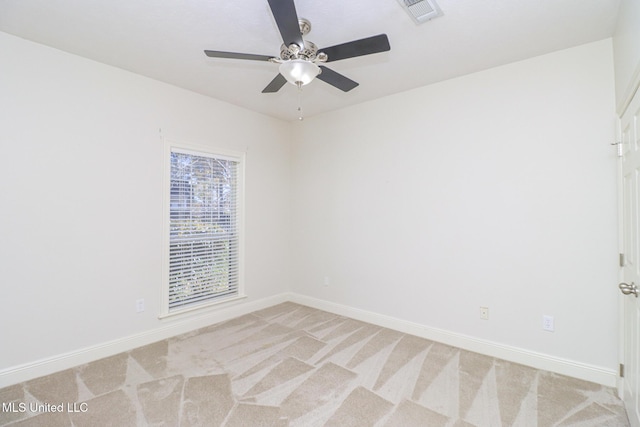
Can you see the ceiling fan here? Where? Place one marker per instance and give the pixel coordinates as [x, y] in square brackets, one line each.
[300, 60]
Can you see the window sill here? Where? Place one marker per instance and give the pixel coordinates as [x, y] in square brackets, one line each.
[200, 307]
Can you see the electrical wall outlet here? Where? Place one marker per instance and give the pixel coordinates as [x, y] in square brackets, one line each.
[140, 305]
[547, 323]
[326, 281]
[484, 313]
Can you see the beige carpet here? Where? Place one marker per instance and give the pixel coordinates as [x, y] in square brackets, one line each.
[291, 365]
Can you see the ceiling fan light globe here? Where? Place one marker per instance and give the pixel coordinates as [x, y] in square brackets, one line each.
[299, 71]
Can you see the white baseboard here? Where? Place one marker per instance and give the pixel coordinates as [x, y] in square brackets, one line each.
[28, 371]
[607, 377]
[50, 365]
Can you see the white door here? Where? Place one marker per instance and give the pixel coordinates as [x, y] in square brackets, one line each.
[630, 165]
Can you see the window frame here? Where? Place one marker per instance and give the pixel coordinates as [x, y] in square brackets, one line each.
[171, 146]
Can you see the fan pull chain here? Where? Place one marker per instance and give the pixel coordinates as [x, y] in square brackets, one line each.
[300, 116]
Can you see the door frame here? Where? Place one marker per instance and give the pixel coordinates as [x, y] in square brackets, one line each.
[620, 195]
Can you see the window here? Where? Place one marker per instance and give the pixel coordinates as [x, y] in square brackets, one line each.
[204, 228]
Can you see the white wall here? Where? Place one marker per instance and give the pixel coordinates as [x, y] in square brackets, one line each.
[496, 189]
[81, 196]
[626, 46]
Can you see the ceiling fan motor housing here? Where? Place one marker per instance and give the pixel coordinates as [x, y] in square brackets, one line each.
[308, 53]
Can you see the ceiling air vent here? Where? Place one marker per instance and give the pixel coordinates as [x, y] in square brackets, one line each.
[421, 10]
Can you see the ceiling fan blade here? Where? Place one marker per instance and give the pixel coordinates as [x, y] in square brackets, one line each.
[275, 84]
[284, 12]
[234, 55]
[336, 79]
[375, 44]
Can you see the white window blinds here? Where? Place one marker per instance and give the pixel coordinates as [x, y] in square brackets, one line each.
[203, 228]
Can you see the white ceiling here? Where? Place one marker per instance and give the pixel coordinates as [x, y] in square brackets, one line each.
[165, 39]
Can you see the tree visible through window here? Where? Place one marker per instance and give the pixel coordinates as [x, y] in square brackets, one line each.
[203, 228]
